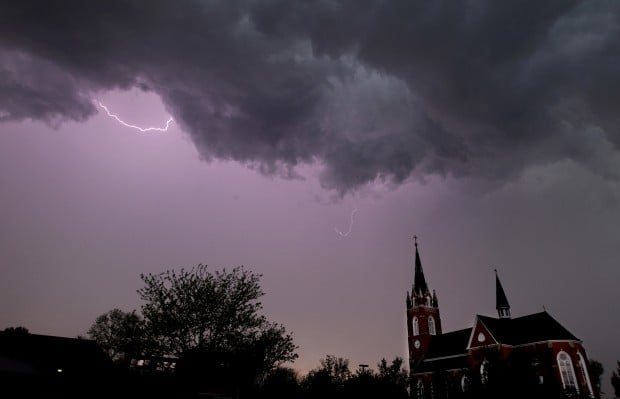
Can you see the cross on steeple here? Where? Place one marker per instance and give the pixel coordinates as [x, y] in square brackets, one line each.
[415, 241]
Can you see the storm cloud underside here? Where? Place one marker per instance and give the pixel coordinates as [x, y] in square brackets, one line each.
[381, 90]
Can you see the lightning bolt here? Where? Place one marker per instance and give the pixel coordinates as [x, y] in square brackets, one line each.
[351, 221]
[142, 129]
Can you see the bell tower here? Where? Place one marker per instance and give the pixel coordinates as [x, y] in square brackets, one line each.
[423, 320]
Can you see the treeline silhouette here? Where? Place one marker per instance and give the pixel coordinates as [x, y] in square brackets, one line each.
[200, 333]
[333, 379]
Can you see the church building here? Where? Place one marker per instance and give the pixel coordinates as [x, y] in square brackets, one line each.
[526, 356]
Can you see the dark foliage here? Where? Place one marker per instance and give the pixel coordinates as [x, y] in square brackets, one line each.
[200, 310]
[596, 372]
[280, 383]
[615, 381]
[205, 326]
[16, 330]
[333, 379]
[327, 381]
[120, 334]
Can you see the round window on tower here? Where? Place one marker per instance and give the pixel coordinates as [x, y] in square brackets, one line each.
[481, 337]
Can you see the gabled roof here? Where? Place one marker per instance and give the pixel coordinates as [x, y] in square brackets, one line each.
[537, 327]
[480, 328]
[532, 328]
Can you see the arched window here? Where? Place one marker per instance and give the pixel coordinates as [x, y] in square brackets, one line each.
[584, 373]
[567, 373]
[416, 326]
[419, 392]
[465, 384]
[431, 325]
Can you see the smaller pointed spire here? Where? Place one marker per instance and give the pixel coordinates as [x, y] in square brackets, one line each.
[409, 304]
[501, 302]
[419, 282]
[435, 301]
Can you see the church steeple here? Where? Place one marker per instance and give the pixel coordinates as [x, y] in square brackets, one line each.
[423, 321]
[501, 302]
[419, 283]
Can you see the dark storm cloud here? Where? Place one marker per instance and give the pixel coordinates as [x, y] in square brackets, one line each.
[371, 90]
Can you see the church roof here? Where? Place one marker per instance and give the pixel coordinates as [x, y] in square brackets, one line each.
[537, 327]
[532, 328]
[449, 344]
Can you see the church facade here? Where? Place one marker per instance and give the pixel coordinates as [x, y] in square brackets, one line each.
[527, 356]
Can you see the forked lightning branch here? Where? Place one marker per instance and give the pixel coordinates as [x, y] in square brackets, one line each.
[139, 128]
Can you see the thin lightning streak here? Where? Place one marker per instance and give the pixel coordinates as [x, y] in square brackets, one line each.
[142, 129]
[340, 233]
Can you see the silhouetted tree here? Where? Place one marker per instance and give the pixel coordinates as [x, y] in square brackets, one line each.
[319, 384]
[327, 381]
[393, 378]
[364, 384]
[615, 381]
[337, 368]
[16, 330]
[596, 370]
[213, 312]
[394, 373]
[333, 379]
[120, 334]
[281, 382]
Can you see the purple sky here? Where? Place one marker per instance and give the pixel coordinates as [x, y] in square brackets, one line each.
[489, 131]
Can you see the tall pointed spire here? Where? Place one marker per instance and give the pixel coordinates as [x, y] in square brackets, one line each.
[419, 282]
[501, 302]
[423, 319]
